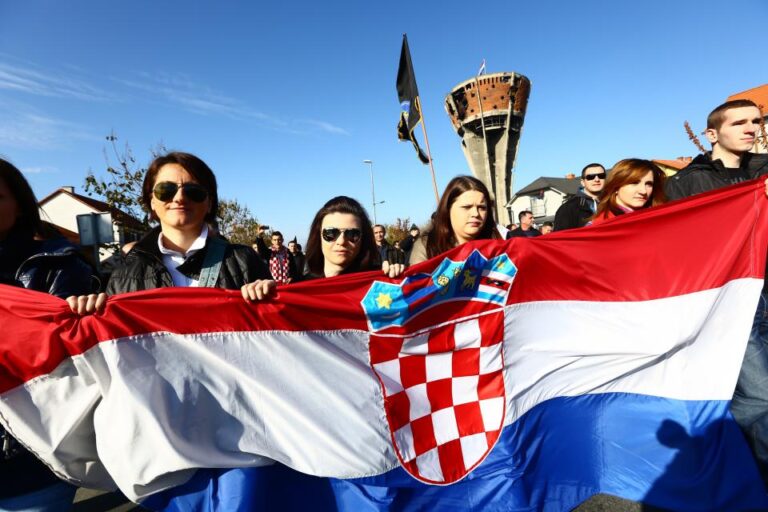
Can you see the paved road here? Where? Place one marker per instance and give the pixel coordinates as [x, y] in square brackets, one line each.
[88, 500]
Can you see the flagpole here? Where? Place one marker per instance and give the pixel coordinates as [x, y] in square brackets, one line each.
[429, 153]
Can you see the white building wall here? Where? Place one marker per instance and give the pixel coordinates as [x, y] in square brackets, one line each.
[63, 210]
[541, 206]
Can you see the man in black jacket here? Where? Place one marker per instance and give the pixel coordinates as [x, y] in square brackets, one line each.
[525, 229]
[732, 129]
[577, 210]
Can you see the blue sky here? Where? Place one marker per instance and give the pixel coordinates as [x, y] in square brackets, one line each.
[284, 100]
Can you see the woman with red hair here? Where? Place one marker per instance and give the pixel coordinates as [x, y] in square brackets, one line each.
[633, 184]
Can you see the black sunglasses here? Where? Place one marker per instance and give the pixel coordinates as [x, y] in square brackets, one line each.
[331, 234]
[166, 191]
[590, 177]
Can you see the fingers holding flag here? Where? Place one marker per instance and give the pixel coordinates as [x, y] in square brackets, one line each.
[258, 290]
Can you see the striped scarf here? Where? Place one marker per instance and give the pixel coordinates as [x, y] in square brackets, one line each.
[279, 265]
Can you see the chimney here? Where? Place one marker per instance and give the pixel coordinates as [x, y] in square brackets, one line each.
[68, 188]
[570, 176]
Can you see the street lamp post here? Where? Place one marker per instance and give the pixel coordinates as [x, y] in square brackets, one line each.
[373, 193]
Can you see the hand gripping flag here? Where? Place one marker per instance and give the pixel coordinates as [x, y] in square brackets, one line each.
[408, 95]
[528, 374]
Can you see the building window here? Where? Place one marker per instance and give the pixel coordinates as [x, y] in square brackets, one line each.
[538, 208]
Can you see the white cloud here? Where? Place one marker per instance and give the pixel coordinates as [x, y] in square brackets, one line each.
[30, 80]
[39, 170]
[326, 127]
[29, 130]
[201, 99]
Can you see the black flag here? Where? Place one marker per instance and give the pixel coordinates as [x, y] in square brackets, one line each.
[408, 94]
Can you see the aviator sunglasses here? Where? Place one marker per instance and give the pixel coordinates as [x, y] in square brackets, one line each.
[166, 190]
[331, 234]
[590, 177]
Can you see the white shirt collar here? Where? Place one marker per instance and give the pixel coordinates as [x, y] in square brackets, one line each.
[198, 244]
[173, 259]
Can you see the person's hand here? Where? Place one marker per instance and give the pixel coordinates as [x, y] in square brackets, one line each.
[392, 269]
[766, 187]
[87, 304]
[259, 289]
[395, 262]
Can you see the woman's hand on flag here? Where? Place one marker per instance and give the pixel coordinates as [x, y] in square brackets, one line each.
[87, 304]
[259, 289]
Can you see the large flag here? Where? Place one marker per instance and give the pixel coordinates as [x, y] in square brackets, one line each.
[408, 94]
[520, 375]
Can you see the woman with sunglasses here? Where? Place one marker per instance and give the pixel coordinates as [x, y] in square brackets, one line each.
[632, 184]
[180, 193]
[341, 242]
[464, 214]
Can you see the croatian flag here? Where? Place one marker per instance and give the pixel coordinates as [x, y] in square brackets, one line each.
[521, 375]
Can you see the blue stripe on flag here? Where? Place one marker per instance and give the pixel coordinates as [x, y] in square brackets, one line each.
[680, 455]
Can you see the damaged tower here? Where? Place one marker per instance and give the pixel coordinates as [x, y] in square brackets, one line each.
[487, 112]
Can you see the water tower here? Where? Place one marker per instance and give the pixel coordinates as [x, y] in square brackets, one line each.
[487, 112]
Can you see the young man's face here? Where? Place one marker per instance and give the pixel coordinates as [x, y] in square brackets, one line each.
[277, 241]
[378, 234]
[737, 133]
[526, 220]
[593, 180]
[292, 246]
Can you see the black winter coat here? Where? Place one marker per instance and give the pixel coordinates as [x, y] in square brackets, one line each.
[144, 269]
[519, 233]
[574, 213]
[703, 175]
[54, 267]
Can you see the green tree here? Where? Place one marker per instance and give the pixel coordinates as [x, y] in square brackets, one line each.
[236, 222]
[398, 230]
[121, 187]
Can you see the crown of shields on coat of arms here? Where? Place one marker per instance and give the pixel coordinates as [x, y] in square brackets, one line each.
[443, 379]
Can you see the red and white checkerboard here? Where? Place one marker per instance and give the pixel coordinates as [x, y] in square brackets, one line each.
[443, 395]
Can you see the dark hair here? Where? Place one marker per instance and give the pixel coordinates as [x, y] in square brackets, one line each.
[717, 116]
[548, 223]
[523, 214]
[630, 170]
[593, 164]
[379, 226]
[441, 237]
[367, 257]
[28, 222]
[194, 166]
[276, 233]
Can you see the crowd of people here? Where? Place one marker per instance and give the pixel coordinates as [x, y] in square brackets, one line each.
[185, 250]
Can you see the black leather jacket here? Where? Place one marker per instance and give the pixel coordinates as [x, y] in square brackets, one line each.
[144, 269]
[703, 175]
[56, 267]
